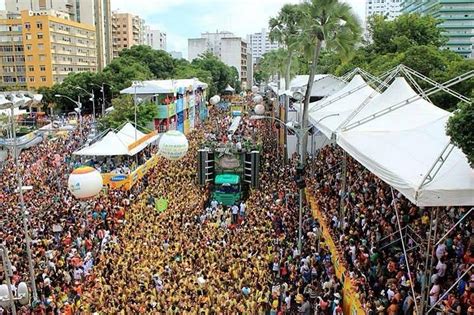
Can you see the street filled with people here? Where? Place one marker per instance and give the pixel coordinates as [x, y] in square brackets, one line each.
[121, 254]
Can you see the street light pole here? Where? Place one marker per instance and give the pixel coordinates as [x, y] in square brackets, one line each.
[91, 94]
[103, 99]
[78, 104]
[23, 209]
[136, 84]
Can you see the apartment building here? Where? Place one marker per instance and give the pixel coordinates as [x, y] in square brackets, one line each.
[155, 38]
[53, 47]
[388, 8]
[230, 49]
[260, 44]
[457, 21]
[12, 57]
[92, 12]
[127, 30]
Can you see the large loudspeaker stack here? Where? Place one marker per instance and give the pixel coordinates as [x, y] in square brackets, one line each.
[252, 168]
[206, 167]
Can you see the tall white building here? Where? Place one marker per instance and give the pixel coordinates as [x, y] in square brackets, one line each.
[230, 49]
[260, 43]
[155, 38]
[389, 8]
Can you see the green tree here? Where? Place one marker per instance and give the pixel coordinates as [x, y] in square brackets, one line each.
[404, 32]
[285, 29]
[328, 22]
[122, 71]
[461, 130]
[124, 110]
[221, 73]
[273, 63]
[160, 63]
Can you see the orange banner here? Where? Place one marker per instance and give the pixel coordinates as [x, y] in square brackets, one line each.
[350, 300]
[141, 140]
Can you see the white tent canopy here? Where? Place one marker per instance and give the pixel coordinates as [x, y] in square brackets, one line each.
[118, 143]
[109, 145]
[402, 146]
[329, 113]
[127, 134]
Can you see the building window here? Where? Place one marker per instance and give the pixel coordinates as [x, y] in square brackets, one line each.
[43, 79]
[27, 26]
[31, 68]
[31, 79]
[42, 57]
[29, 58]
[40, 35]
[28, 47]
[28, 36]
[41, 46]
[39, 25]
[42, 68]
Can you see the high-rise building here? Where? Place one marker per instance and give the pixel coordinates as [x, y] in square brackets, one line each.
[155, 38]
[127, 30]
[388, 8]
[260, 43]
[92, 12]
[457, 20]
[103, 28]
[53, 47]
[12, 57]
[230, 49]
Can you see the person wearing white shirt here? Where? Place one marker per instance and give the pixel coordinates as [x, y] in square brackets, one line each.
[235, 214]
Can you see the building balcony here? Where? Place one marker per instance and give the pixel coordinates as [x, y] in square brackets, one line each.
[166, 111]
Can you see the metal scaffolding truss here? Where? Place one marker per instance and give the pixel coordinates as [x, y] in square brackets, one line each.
[441, 87]
[370, 80]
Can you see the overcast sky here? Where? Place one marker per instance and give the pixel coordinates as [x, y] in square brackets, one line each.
[183, 19]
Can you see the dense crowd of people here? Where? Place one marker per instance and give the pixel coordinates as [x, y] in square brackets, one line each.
[120, 254]
[195, 258]
[366, 231]
[66, 235]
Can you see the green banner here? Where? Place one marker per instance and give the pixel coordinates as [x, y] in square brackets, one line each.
[161, 204]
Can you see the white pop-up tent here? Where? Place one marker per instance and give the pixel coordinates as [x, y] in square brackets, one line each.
[407, 147]
[127, 134]
[329, 113]
[109, 145]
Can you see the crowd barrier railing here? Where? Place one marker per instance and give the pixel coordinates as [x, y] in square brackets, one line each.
[350, 300]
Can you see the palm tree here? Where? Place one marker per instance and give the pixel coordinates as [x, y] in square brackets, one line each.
[285, 29]
[330, 23]
[273, 62]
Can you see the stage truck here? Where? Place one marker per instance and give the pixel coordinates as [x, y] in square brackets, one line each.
[231, 169]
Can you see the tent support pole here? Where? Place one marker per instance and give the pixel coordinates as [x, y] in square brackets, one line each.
[437, 164]
[450, 288]
[454, 226]
[343, 188]
[404, 251]
[415, 84]
[384, 75]
[368, 99]
[437, 85]
[427, 257]
[430, 259]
